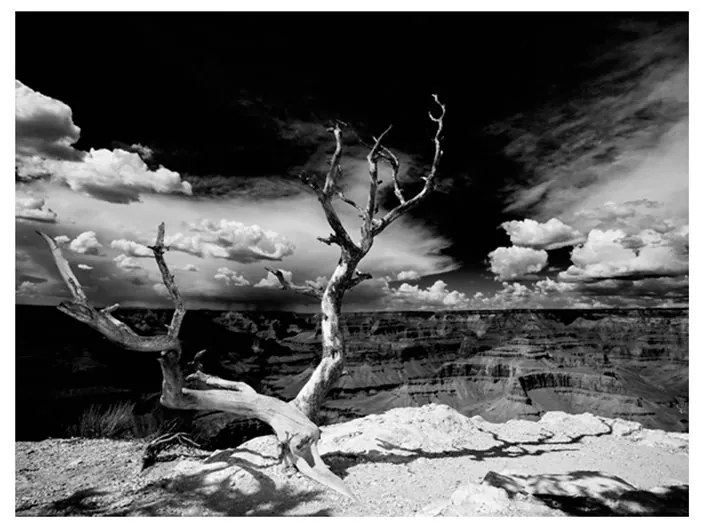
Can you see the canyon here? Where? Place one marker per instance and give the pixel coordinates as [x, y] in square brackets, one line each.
[630, 364]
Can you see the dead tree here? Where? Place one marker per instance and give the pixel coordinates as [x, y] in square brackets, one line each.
[345, 276]
[296, 434]
[291, 421]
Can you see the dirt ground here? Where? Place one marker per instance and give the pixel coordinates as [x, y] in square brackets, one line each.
[421, 461]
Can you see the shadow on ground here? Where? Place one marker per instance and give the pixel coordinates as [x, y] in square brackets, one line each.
[205, 493]
[81, 502]
[592, 493]
[340, 461]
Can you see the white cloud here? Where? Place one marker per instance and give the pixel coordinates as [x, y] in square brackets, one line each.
[270, 280]
[604, 256]
[230, 240]
[410, 275]
[543, 294]
[86, 243]
[160, 289]
[44, 127]
[625, 139]
[319, 282]
[548, 286]
[231, 277]
[131, 248]
[436, 296]
[145, 152]
[552, 234]
[26, 289]
[117, 176]
[189, 267]
[515, 262]
[127, 263]
[62, 239]
[85, 267]
[631, 217]
[45, 133]
[33, 208]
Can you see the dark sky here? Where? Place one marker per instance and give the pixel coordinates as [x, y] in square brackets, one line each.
[216, 95]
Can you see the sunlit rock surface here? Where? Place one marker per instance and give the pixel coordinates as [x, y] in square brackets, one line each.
[429, 461]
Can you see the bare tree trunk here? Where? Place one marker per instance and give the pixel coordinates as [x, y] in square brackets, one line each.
[311, 396]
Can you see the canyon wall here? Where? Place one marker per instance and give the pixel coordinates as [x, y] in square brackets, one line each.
[630, 364]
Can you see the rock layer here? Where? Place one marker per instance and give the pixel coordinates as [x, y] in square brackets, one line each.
[630, 364]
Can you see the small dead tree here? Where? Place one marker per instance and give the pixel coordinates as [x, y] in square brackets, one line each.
[291, 421]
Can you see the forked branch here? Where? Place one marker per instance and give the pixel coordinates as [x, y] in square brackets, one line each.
[330, 189]
[103, 321]
[406, 205]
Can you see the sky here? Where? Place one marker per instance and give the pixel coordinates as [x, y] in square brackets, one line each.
[563, 184]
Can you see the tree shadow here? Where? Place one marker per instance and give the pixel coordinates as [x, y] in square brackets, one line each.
[592, 493]
[193, 493]
[79, 503]
[340, 461]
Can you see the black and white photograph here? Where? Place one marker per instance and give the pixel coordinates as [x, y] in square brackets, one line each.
[351, 263]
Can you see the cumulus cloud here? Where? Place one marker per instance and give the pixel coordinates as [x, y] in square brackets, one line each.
[86, 243]
[45, 133]
[85, 267]
[548, 286]
[319, 282]
[33, 208]
[631, 217]
[44, 126]
[605, 256]
[552, 234]
[161, 290]
[127, 263]
[189, 267]
[515, 262]
[408, 276]
[26, 289]
[230, 240]
[62, 239]
[546, 293]
[230, 277]
[131, 248]
[436, 296]
[145, 152]
[116, 176]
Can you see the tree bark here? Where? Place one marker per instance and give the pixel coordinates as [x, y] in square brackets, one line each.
[310, 398]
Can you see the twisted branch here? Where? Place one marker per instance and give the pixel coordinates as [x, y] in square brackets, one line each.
[103, 321]
[358, 278]
[407, 205]
[325, 195]
[307, 289]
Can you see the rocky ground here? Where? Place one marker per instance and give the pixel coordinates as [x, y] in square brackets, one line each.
[429, 460]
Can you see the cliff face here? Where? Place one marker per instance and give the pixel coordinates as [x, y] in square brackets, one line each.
[504, 365]
[630, 364]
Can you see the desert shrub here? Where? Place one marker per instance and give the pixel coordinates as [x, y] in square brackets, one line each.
[106, 421]
[123, 420]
